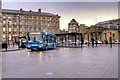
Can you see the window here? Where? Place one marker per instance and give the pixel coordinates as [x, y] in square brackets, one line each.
[39, 28]
[14, 23]
[4, 22]
[34, 28]
[9, 22]
[20, 30]
[30, 28]
[9, 17]
[9, 37]
[15, 29]
[4, 17]
[4, 29]
[49, 39]
[48, 24]
[3, 36]
[9, 29]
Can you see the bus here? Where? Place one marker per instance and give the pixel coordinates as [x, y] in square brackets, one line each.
[41, 40]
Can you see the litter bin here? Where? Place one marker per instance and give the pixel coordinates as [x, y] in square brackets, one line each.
[4, 45]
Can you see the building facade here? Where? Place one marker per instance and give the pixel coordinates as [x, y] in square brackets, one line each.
[102, 31]
[73, 26]
[73, 36]
[18, 22]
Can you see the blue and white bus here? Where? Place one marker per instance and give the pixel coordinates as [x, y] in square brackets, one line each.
[41, 40]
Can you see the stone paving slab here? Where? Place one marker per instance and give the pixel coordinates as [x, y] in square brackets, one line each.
[97, 62]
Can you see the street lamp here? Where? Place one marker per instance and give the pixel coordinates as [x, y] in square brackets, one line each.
[27, 23]
[19, 31]
[19, 24]
[8, 32]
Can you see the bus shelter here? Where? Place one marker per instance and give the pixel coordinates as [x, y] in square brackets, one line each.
[69, 39]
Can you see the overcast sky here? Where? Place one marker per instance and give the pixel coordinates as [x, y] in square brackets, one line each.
[88, 13]
[60, 0]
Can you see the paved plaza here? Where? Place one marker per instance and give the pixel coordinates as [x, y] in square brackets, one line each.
[88, 62]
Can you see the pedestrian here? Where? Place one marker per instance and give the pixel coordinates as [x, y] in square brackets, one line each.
[18, 44]
[92, 42]
[110, 42]
[82, 41]
[96, 41]
[13, 42]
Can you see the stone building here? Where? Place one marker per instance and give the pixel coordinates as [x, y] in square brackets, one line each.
[73, 26]
[103, 31]
[18, 22]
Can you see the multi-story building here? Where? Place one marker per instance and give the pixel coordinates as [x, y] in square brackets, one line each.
[19, 22]
[63, 31]
[103, 31]
[73, 26]
[82, 27]
[73, 36]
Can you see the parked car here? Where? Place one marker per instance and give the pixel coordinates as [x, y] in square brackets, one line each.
[117, 42]
[23, 44]
[85, 41]
[99, 42]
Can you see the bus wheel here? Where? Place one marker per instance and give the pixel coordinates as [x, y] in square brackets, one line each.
[32, 49]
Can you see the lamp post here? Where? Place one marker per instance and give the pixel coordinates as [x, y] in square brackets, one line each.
[27, 23]
[19, 31]
[8, 32]
[19, 24]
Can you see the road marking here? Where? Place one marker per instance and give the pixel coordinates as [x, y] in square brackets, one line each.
[49, 73]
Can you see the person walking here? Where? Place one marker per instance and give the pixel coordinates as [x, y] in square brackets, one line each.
[92, 42]
[110, 42]
[96, 41]
[82, 42]
[13, 42]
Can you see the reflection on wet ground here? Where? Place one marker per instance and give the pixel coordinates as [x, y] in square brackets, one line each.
[97, 62]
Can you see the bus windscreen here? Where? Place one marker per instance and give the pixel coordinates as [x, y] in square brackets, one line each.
[36, 38]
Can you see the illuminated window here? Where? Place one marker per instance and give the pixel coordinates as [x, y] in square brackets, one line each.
[4, 37]
[9, 29]
[14, 23]
[9, 37]
[4, 29]
[4, 22]
[15, 29]
[9, 22]
[9, 17]
[4, 17]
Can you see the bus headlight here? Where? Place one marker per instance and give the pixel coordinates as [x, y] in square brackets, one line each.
[40, 46]
[28, 46]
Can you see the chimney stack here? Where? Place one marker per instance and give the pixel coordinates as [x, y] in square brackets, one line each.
[21, 9]
[39, 10]
[30, 11]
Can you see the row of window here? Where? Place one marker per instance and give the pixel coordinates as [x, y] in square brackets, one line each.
[31, 23]
[31, 18]
[16, 29]
[73, 25]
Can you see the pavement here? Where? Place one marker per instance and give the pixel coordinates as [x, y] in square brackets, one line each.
[88, 62]
[11, 48]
